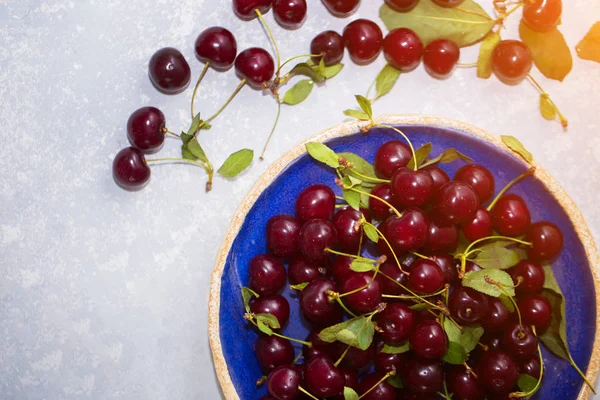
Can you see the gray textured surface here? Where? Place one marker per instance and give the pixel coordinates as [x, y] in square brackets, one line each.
[103, 293]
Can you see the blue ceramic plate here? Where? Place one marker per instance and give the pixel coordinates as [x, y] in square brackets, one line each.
[275, 193]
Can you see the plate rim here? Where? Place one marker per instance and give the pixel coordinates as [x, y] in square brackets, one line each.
[351, 128]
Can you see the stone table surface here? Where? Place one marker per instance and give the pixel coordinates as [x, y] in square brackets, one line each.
[103, 293]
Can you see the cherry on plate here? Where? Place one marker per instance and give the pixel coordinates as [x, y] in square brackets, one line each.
[315, 303]
[498, 372]
[406, 233]
[315, 237]
[169, 71]
[363, 39]
[497, 316]
[398, 278]
[329, 45]
[411, 188]
[266, 275]
[391, 156]
[423, 377]
[456, 203]
[519, 340]
[275, 305]
[381, 391]
[463, 384]
[447, 265]
[283, 382]
[428, 340]
[403, 49]
[425, 277]
[481, 225]
[315, 202]
[546, 239]
[396, 322]
[364, 300]
[256, 66]
[468, 306]
[535, 311]
[273, 351]
[322, 377]
[349, 230]
[146, 129]
[282, 235]
[130, 170]
[528, 276]
[439, 176]
[511, 215]
[442, 238]
[300, 271]
[378, 208]
[480, 178]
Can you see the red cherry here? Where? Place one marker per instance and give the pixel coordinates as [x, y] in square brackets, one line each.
[402, 5]
[440, 57]
[479, 177]
[542, 15]
[406, 233]
[403, 49]
[511, 215]
[425, 276]
[130, 170]
[290, 14]
[442, 238]
[315, 236]
[391, 156]
[363, 39]
[245, 8]
[537, 311]
[411, 188]
[217, 46]
[439, 176]
[316, 201]
[364, 300]
[256, 66]
[376, 391]
[455, 203]
[479, 226]
[547, 241]
[169, 71]
[531, 276]
[330, 45]
[146, 129]
[379, 209]
[342, 8]
[511, 61]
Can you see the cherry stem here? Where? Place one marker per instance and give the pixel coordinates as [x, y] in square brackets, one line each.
[416, 296]
[406, 297]
[525, 174]
[273, 333]
[368, 178]
[468, 368]
[168, 132]
[262, 156]
[514, 305]
[298, 357]
[563, 120]
[262, 380]
[539, 381]
[339, 253]
[341, 303]
[512, 10]
[389, 246]
[412, 149]
[371, 88]
[378, 198]
[468, 65]
[295, 58]
[446, 390]
[391, 373]
[360, 244]
[414, 253]
[463, 257]
[204, 70]
[264, 23]
[585, 379]
[339, 360]
[220, 110]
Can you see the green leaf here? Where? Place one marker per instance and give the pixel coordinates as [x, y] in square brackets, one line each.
[247, 295]
[527, 383]
[550, 51]
[420, 307]
[452, 331]
[515, 145]
[550, 281]
[356, 332]
[300, 286]
[321, 66]
[496, 255]
[505, 300]
[195, 124]
[264, 328]
[365, 105]
[371, 233]
[547, 108]
[421, 153]
[186, 153]
[395, 381]
[396, 349]
[447, 156]
[462, 245]
[470, 336]
[385, 81]
[197, 150]
[465, 24]
[361, 265]
[236, 163]
[322, 153]
[185, 138]
[308, 70]
[356, 114]
[484, 61]
[299, 92]
[354, 181]
[269, 320]
[360, 165]
[456, 354]
[333, 70]
[477, 280]
[555, 337]
[352, 198]
[350, 394]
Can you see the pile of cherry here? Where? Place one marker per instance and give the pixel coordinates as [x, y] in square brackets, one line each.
[422, 213]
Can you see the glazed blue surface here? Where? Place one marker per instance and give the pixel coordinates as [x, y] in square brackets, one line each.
[572, 269]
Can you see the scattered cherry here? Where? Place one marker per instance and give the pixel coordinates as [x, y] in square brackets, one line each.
[363, 39]
[456, 203]
[402, 5]
[542, 15]
[300, 271]
[383, 390]
[315, 303]
[396, 323]
[535, 311]
[498, 372]
[245, 8]
[217, 46]
[315, 236]
[130, 170]
[379, 209]
[169, 71]
[479, 178]
[440, 57]
[275, 305]
[146, 129]
[441, 238]
[406, 233]
[468, 306]
[282, 235]
[547, 241]
[530, 275]
[519, 340]
[273, 351]
[347, 226]
[290, 14]
[315, 202]
[511, 216]
[511, 61]
[283, 382]
[411, 188]
[256, 66]
[425, 276]
[391, 156]
[481, 225]
[365, 300]
[266, 275]
[329, 45]
[342, 8]
[423, 377]
[403, 49]
[322, 378]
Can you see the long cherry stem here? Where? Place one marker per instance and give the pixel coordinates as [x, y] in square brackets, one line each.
[368, 178]
[220, 110]
[525, 174]
[264, 23]
[339, 360]
[204, 70]
[378, 198]
[300, 388]
[168, 132]
[563, 120]
[295, 58]
[392, 373]
[262, 156]
[302, 342]
[412, 149]
[389, 246]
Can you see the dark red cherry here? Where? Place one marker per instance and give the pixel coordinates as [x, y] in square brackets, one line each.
[440, 57]
[403, 49]
[497, 316]
[348, 228]
[275, 305]
[245, 8]
[406, 233]
[391, 156]
[282, 235]
[481, 225]
[471, 266]
[256, 66]
[396, 323]
[355, 358]
[535, 311]
[411, 188]
[329, 45]
[385, 362]
[315, 202]
[342, 8]
[376, 391]
[463, 384]
[531, 367]
[531, 276]
[491, 341]
[169, 71]
[479, 178]
[217, 46]
[428, 340]
[402, 5]
[266, 275]
[448, 266]
[440, 178]
[423, 377]
[323, 379]
[146, 129]
[283, 382]
[456, 203]
[547, 241]
[316, 236]
[315, 303]
[542, 15]
[519, 340]
[365, 300]
[498, 372]
[442, 238]
[350, 380]
[319, 347]
[511, 216]
[363, 39]
[130, 170]
[425, 277]
[340, 268]
[290, 14]
[468, 306]
[379, 209]
[300, 271]
[448, 3]
[388, 286]
[273, 351]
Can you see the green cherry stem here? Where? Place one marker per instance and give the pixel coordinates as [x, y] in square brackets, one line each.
[264, 23]
[414, 253]
[514, 303]
[341, 303]
[406, 297]
[298, 357]
[539, 381]
[468, 251]
[563, 120]
[412, 149]
[339, 253]
[168, 132]
[262, 155]
[416, 296]
[204, 70]
[220, 110]
[339, 360]
[250, 317]
[300, 388]
[510, 184]
[295, 58]
[395, 211]
[391, 373]
[368, 178]
[389, 246]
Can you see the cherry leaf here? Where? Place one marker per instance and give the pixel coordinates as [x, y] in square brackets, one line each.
[547, 107]
[550, 51]
[350, 394]
[247, 295]
[527, 383]
[186, 153]
[420, 307]
[464, 25]
[452, 331]
[395, 381]
[456, 354]
[515, 145]
[505, 300]
[197, 151]
[470, 336]
[357, 332]
[484, 61]
[300, 287]
[195, 124]
[447, 156]
[269, 320]
[352, 198]
[362, 266]
[333, 70]
[496, 255]
[322, 153]
[236, 163]
[371, 233]
[359, 165]
[309, 71]
[356, 114]
[264, 328]
[555, 337]
[589, 47]
[385, 81]
[480, 281]
[421, 153]
[299, 92]
[396, 349]
[365, 105]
